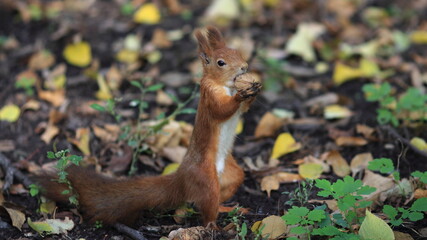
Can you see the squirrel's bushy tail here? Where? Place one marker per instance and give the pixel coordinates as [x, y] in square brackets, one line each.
[113, 200]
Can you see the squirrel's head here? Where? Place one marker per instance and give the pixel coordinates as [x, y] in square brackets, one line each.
[220, 63]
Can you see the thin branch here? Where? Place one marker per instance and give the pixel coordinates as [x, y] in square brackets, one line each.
[10, 172]
[132, 233]
[405, 141]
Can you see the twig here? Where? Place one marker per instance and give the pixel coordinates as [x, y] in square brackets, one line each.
[11, 172]
[393, 132]
[132, 233]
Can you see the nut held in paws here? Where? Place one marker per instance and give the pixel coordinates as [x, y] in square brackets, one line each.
[246, 81]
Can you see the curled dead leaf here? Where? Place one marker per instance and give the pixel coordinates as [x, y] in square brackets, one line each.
[350, 141]
[339, 164]
[272, 182]
[268, 125]
[360, 162]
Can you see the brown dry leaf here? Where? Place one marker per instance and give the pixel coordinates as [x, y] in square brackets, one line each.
[268, 125]
[420, 193]
[366, 131]
[41, 60]
[7, 145]
[175, 154]
[114, 78]
[31, 105]
[360, 162]
[109, 133]
[17, 217]
[56, 98]
[121, 159]
[350, 141]
[163, 99]
[402, 236]
[170, 136]
[225, 209]
[343, 9]
[272, 182]
[160, 39]
[49, 133]
[339, 164]
[377, 181]
[82, 140]
[273, 227]
[190, 233]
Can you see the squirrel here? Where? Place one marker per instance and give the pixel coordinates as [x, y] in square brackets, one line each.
[208, 174]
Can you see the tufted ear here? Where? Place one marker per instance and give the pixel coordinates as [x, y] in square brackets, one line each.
[215, 38]
[205, 50]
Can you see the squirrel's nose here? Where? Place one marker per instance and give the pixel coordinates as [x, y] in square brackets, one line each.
[244, 67]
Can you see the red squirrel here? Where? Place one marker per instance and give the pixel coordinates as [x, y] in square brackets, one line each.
[208, 175]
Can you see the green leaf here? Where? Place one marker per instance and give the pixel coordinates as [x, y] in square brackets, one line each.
[374, 226]
[97, 107]
[136, 84]
[65, 192]
[415, 216]
[154, 87]
[419, 205]
[326, 231]
[34, 190]
[51, 155]
[243, 230]
[383, 165]
[324, 184]
[316, 215]
[366, 190]
[188, 111]
[299, 230]
[420, 175]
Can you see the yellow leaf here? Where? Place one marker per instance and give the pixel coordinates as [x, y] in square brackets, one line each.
[336, 111]
[78, 54]
[127, 56]
[375, 226]
[301, 43]
[223, 9]
[170, 168]
[419, 143]
[104, 92]
[419, 37]
[271, 3]
[147, 14]
[343, 73]
[310, 170]
[10, 113]
[82, 140]
[255, 226]
[239, 127]
[284, 144]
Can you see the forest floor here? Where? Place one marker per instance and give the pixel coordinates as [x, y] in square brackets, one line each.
[313, 90]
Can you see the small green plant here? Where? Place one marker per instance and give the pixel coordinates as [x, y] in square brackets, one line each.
[384, 166]
[305, 219]
[27, 84]
[412, 104]
[301, 194]
[421, 175]
[34, 190]
[98, 224]
[136, 138]
[235, 217]
[413, 213]
[63, 160]
[276, 76]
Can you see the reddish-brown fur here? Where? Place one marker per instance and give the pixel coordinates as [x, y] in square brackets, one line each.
[111, 200]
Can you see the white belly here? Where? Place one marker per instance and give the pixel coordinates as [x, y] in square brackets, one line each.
[226, 137]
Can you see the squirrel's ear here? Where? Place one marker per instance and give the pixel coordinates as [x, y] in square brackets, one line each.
[204, 47]
[215, 38]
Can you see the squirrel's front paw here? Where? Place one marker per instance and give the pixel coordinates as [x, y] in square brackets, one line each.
[251, 91]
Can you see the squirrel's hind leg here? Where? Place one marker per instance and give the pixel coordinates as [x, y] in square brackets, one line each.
[231, 178]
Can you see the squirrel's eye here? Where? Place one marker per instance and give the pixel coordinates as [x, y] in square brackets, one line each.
[221, 63]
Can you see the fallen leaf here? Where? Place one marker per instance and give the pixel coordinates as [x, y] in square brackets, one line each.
[402, 236]
[322, 100]
[49, 133]
[419, 143]
[17, 217]
[366, 131]
[336, 112]
[7, 145]
[419, 37]
[147, 14]
[105, 134]
[114, 78]
[48, 207]
[284, 144]
[420, 193]
[104, 92]
[160, 38]
[51, 226]
[350, 141]
[273, 227]
[375, 226]
[268, 125]
[82, 140]
[41, 60]
[272, 182]
[360, 162]
[56, 79]
[10, 113]
[339, 164]
[163, 99]
[377, 181]
[221, 11]
[239, 127]
[31, 105]
[127, 56]
[56, 98]
[175, 154]
[310, 170]
[78, 54]
[367, 68]
[301, 43]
